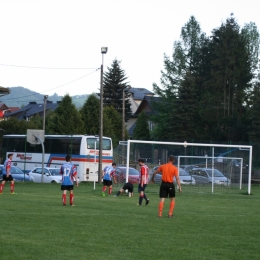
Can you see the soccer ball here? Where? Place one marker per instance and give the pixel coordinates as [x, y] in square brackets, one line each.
[126, 191]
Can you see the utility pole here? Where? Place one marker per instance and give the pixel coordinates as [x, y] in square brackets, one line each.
[123, 117]
[44, 111]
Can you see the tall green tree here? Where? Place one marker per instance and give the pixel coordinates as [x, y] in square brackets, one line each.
[207, 83]
[113, 125]
[66, 119]
[115, 83]
[112, 120]
[176, 111]
[251, 37]
[185, 116]
[90, 115]
[231, 74]
[254, 132]
[142, 131]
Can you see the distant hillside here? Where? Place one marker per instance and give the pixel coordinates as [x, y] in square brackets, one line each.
[21, 96]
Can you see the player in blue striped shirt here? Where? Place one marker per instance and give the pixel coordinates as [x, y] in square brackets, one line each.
[69, 173]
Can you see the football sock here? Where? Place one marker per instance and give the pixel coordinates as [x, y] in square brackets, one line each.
[160, 208]
[172, 204]
[118, 193]
[71, 198]
[64, 199]
[104, 188]
[141, 199]
[110, 191]
[1, 188]
[12, 187]
[145, 197]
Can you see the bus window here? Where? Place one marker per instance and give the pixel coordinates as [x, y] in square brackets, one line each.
[91, 143]
[65, 145]
[106, 143]
[14, 144]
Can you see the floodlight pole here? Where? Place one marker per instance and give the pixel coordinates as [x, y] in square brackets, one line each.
[103, 51]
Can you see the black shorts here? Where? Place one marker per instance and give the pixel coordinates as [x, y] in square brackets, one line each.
[66, 187]
[167, 190]
[107, 183]
[141, 188]
[9, 178]
[129, 187]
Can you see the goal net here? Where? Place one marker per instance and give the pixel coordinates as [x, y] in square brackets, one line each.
[208, 167]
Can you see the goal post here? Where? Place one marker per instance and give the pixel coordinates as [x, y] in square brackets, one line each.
[176, 149]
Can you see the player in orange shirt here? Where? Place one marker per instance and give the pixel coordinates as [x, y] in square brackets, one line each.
[167, 188]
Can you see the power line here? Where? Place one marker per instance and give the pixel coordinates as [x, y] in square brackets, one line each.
[73, 80]
[55, 87]
[45, 68]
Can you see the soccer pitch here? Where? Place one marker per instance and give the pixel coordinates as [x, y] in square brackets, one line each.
[35, 225]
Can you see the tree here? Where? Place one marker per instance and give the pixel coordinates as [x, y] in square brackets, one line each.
[251, 37]
[66, 119]
[142, 131]
[38, 121]
[254, 132]
[89, 114]
[112, 120]
[112, 125]
[114, 86]
[179, 79]
[185, 114]
[15, 126]
[231, 74]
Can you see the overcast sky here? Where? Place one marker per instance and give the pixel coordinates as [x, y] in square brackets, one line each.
[54, 46]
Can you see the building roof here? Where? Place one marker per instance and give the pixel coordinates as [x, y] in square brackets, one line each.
[12, 109]
[147, 105]
[139, 93]
[32, 109]
[5, 109]
[3, 106]
[4, 91]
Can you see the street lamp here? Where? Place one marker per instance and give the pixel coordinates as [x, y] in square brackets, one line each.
[103, 51]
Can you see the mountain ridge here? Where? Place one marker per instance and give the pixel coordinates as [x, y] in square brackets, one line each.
[20, 96]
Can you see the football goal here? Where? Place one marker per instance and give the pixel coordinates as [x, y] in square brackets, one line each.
[211, 167]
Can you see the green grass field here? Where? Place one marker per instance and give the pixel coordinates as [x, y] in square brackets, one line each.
[35, 225]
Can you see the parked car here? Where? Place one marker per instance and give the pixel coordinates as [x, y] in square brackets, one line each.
[17, 174]
[207, 175]
[185, 178]
[51, 175]
[133, 176]
[188, 168]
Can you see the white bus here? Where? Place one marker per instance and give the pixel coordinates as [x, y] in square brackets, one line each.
[84, 151]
